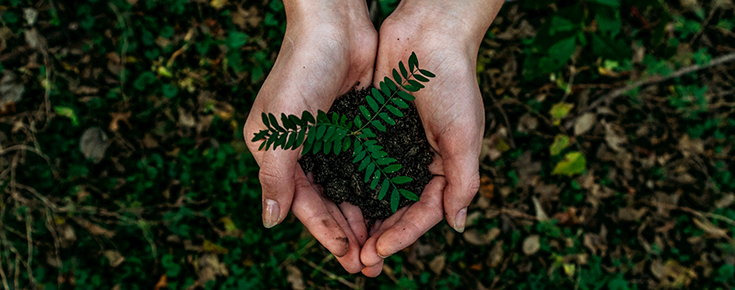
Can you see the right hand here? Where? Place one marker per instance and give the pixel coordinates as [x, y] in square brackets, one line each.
[328, 49]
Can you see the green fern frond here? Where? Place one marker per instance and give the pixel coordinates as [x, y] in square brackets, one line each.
[334, 134]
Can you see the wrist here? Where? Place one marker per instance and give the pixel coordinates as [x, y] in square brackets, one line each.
[460, 21]
[318, 12]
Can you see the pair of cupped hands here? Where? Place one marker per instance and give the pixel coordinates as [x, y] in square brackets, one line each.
[331, 47]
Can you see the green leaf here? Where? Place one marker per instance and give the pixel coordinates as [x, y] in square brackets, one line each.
[369, 170]
[262, 145]
[411, 88]
[320, 132]
[377, 95]
[385, 161]
[67, 112]
[559, 111]
[359, 155]
[427, 73]
[371, 102]
[375, 181]
[282, 140]
[416, 84]
[335, 118]
[409, 195]
[274, 123]
[327, 147]
[397, 77]
[295, 119]
[573, 163]
[271, 140]
[300, 138]
[265, 119]
[392, 168]
[143, 80]
[383, 188]
[291, 140]
[337, 146]
[413, 61]
[562, 50]
[406, 96]
[363, 164]
[358, 121]
[611, 3]
[287, 123]
[378, 125]
[395, 111]
[317, 146]
[310, 135]
[400, 103]
[420, 78]
[404, 72]
[330, 133]
[321, 117]
[390, 83]
[401, 179]
[394, 198]
[346, 144]
[236, 39]
[385, 89]
[378, 154]
[386, 118]
[307, 117]
[560, 142]
[169, 91]
[365, 112]
[259, 136]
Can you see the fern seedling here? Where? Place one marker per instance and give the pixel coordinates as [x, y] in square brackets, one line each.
[334, 134]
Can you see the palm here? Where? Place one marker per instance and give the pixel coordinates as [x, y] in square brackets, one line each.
[309, 74]
[451, 111]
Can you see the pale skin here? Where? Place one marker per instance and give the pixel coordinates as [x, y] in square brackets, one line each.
[330, 47]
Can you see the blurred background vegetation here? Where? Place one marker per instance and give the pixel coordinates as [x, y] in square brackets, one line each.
[607, 161]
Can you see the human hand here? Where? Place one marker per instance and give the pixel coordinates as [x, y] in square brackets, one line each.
[446, 38]
[329, 47]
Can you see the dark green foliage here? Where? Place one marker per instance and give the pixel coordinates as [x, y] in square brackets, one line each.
[335, 134]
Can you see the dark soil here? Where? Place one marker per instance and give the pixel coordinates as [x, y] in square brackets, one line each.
[405, 141]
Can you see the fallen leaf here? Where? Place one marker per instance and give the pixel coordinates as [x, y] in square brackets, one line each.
[584, 123]
[573, 163]
[295, 278]
[209, 267]
[117, 117]
[210, 246]
[30, 15]
[540, 214]
[559, 111]
[218, 4]
[496, 255]
[476, 238]
[34, 40]
[93, 144]
[486, 187]
[614, 137]
[114, 257]
[162, 283]
[725, 201]
[709, 228]
[531, 245]
[11, 89]
[560, 143]
[438, 263]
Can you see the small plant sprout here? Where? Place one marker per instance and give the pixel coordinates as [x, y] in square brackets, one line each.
[335, 134]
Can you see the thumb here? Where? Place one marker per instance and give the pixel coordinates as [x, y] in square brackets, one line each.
[277, 169]
[462, 171]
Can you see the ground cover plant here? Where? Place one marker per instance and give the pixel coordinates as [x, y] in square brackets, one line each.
[335, 133]
[606, 164]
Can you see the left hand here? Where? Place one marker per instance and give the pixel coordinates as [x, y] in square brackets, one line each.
[446, 38]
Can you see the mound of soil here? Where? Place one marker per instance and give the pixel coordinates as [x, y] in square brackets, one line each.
[340, 178]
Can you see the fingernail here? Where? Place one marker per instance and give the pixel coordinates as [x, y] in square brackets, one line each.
[460, 220]
[270, 216]
[379, 255]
